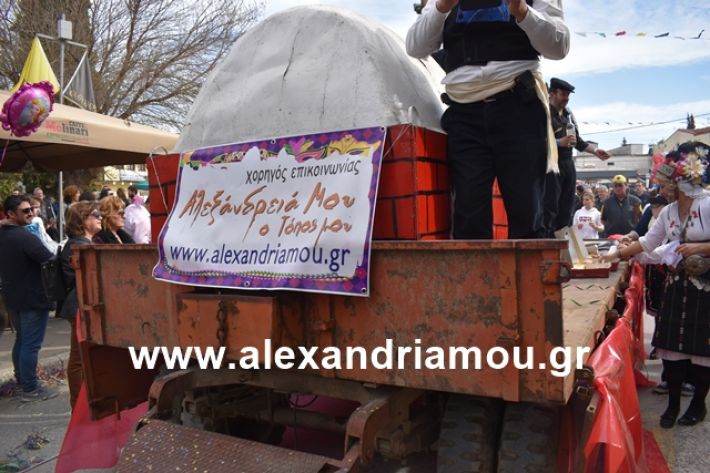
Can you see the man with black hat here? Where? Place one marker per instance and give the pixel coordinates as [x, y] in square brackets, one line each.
[560, 188]
[497, 121]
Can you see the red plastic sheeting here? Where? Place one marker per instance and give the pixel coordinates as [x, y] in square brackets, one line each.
[95, 444]
[635, 308]
[616, 438]
[654, 457]
[615, 443]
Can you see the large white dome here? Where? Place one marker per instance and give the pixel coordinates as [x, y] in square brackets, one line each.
[313, 69]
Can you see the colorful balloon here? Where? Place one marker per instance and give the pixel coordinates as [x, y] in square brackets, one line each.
[27, 108]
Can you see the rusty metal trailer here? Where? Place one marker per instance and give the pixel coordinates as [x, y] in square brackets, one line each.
[481, 294]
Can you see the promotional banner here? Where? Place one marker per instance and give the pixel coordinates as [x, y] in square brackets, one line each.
[290, 213]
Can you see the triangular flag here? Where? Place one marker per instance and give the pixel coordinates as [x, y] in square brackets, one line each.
[603, 35]
[584, 35]
[620, 33]
[699, 35]
[36, 68]
[640, 34]
[80, 89]
[662, 35]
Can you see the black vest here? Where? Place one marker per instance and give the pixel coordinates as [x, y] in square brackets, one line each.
[487, 33]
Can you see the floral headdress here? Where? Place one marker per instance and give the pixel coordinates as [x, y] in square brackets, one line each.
[687, 167]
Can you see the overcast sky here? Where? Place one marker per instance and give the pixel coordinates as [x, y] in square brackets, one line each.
[621, 81]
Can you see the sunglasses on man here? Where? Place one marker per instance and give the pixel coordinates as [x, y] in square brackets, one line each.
[26, 211]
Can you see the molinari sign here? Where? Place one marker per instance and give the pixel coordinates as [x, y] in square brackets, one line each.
[290, 213]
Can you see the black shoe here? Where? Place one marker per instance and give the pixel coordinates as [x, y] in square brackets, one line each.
[668, 418]
[692, 417]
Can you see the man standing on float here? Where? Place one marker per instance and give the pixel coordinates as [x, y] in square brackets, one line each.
[498, 117]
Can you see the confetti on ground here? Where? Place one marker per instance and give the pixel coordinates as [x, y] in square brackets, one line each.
[10, 466]
[35, 441]
[52, 375]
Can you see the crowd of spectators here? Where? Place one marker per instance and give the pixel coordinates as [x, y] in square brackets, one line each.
[45, 222]
[29, 237]
[622, 209]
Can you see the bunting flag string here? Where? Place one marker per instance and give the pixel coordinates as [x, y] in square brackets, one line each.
[634, 126]
[640, 34]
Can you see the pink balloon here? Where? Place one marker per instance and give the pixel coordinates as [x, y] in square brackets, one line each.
[27, 108]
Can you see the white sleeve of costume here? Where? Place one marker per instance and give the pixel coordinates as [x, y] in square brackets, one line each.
[657, 234]
[544, 24]
[425, 35]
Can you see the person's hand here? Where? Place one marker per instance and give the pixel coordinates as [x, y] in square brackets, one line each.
[580, 226]
[609, 257]
[602, 154]
[690, 249]
[518, 8]
[568, 141]
[612, 256]
[445, 6]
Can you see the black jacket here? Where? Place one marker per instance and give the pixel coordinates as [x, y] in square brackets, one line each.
[21, 256]
[70, 304]
[559, 126]
[106, 237]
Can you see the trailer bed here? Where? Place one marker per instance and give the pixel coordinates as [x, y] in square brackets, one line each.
[485, 294]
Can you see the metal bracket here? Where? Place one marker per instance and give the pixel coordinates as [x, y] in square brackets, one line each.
[584, 382]
[375, 417]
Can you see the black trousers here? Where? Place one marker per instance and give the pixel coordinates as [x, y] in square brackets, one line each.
[559, 197]
[504, 138]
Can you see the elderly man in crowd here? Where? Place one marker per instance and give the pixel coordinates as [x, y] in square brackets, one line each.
[622, 211]
[601, 193]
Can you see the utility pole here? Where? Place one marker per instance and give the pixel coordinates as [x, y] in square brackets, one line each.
[64, 36]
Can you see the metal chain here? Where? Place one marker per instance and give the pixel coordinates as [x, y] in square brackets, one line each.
[222, 323]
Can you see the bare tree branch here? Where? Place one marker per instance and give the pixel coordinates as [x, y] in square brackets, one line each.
[149, 57]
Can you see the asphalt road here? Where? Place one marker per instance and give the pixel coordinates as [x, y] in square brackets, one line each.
[31, 433]
[44, 423]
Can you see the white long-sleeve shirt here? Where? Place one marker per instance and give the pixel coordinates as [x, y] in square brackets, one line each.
[544, 25]
[137, 223]
[668, 226]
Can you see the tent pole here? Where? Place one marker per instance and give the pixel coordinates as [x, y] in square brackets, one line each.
[62, 38]
[61, 206]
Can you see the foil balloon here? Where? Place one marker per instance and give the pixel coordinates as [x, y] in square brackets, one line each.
[27, 108]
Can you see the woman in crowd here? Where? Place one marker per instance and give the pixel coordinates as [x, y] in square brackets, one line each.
[121, 193]
[683, 322]
[111, 208]
[83, 222]
[588, 219]
[71, 196]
